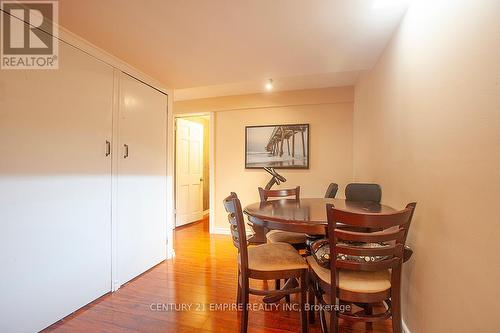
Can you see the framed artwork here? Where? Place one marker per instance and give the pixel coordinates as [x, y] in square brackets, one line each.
[277, 146]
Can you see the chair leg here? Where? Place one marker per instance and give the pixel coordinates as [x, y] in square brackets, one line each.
[322, 321]
[334, 319]
[369, 311]
[396, 311]
[311, 300]
[244, 311]
[303, 296]
[278, 284]
[238, 296]
[287, 297]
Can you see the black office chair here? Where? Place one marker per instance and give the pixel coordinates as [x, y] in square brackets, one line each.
[331, 191]
[363, 192]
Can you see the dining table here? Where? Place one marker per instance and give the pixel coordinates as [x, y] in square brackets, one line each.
[308, 216]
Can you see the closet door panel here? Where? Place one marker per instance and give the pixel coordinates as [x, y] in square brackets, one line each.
[141, 184]
[55, 190]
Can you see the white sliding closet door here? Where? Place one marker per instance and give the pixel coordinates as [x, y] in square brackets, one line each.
[55, 190]
[141, 210]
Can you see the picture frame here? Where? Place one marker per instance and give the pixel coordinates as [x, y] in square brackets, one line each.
[281, 146]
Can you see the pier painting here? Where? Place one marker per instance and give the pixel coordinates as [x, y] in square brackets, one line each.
[277, 146]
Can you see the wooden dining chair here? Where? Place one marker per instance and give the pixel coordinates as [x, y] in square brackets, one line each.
[298, 240]
[363, 192]
[365, 267]
[293, 193]
[264, 262]
[331, 191]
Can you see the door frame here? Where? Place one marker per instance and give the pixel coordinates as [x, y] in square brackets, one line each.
[211, 165]
[189, 130]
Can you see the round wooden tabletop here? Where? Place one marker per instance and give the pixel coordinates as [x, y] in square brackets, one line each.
[307, 215]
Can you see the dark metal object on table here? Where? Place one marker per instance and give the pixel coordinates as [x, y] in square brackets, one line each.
[259, 236]
[276, 179]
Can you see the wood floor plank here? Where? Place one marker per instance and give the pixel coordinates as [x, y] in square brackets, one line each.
[204, 272]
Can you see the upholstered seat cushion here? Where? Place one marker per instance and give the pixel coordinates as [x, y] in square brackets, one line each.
[355, 281]
[274, 257]
[278, 236]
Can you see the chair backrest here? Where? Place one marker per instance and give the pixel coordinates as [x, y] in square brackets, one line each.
[391, 238]
[237, 226]
[363, 192]
[285, 193]
[331, 191]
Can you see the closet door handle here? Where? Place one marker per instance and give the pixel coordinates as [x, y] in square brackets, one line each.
[108, 148]
[125, 154]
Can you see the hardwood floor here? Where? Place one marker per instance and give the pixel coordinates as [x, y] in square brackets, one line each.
[202, 273]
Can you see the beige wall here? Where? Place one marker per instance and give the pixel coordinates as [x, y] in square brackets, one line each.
[427, 128]
[329, 113]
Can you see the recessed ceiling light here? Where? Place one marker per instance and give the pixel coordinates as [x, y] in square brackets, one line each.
[269, 85]
[387, 3]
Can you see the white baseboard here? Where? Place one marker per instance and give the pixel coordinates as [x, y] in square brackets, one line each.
[116, 286]
[225, 231]
[170, 253]
[221, 231]
[405, 328]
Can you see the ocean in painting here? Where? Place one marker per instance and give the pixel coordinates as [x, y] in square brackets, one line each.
[265, 159]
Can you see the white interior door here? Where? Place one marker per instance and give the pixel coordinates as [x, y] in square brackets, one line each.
[55, 190]
[189, 172]
[141, 207]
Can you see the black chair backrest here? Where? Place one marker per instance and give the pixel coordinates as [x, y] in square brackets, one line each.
[363, 192]
[331, 191]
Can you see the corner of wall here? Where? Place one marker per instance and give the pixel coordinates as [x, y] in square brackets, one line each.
[405, 327]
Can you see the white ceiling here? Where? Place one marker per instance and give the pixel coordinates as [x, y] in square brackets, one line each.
[206, 48]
